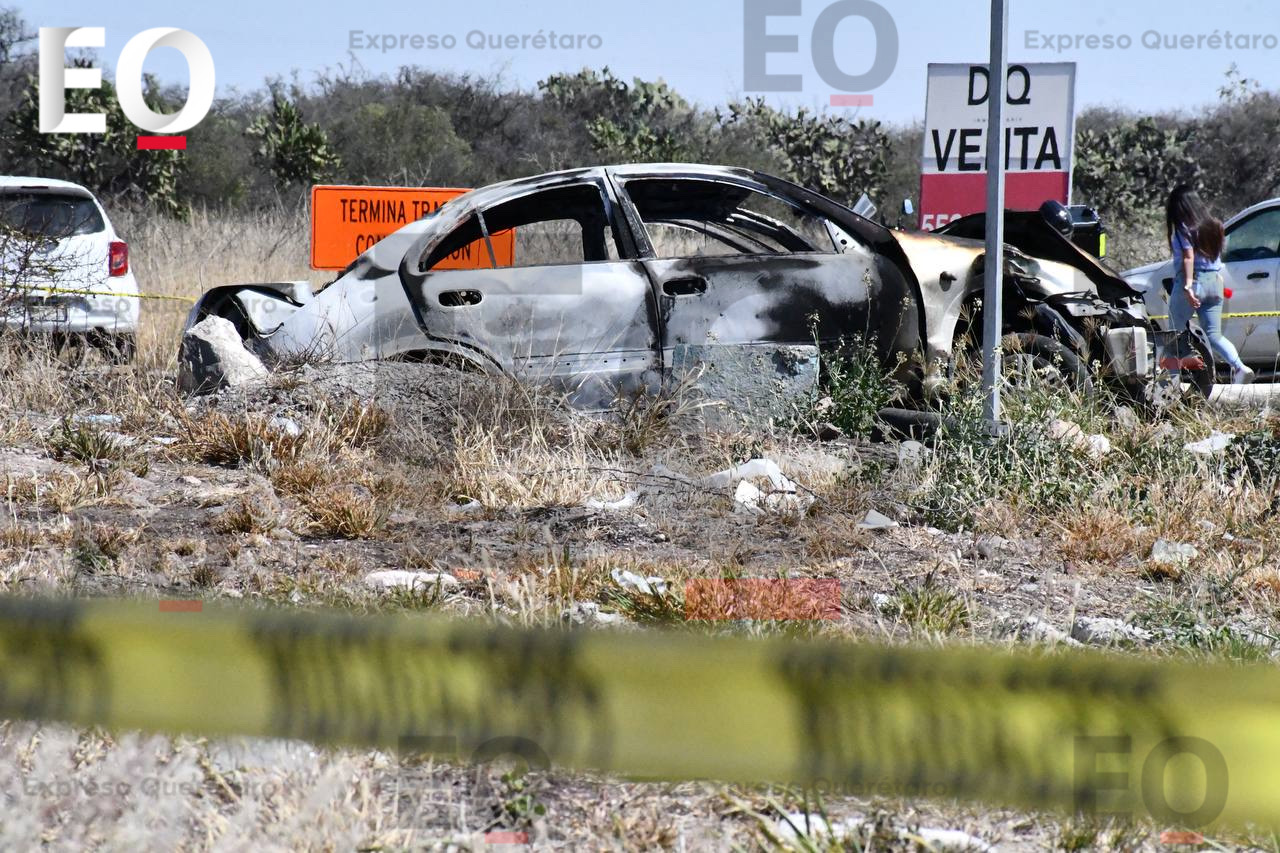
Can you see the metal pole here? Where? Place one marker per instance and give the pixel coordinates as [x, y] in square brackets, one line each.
[992, 302]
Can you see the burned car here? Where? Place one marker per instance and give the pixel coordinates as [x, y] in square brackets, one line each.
[625, 276]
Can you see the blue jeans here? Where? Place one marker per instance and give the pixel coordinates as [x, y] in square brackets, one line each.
[1207, 287]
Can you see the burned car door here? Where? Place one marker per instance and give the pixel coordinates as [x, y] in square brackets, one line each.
[737, 266]
[567, 308]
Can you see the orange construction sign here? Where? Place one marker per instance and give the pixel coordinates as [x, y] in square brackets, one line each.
[346, 221]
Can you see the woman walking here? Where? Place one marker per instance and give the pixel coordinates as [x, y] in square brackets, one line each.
[1196, 240]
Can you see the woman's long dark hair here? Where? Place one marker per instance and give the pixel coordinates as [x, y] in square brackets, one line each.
[1209, 238]
[1185, 210]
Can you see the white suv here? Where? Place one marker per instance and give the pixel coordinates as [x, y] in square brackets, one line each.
[63, 270]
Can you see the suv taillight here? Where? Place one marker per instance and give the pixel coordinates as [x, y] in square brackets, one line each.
[118, 259]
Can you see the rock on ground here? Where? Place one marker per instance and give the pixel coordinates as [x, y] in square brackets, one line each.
[213, 356]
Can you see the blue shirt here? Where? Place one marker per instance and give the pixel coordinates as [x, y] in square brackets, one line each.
[1182, 241]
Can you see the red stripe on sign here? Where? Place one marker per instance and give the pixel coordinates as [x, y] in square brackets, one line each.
[162, 143]
[852, 100]
[175, 605]
[949, 195]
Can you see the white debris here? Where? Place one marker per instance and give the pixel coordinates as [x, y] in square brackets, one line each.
[1068, 433]
[97, 420]
[800, 829]
[589, 613]
[468, 507]
[883, 601]
[633, 582]
[748, 497]
[876, 521]
[1104, 631]
[1036, 630]
[784, 496]
[285, 426]
[1215, 443]
[414, 581]
[627, 501]
[1099, 445]
[911, 454]
[1173, 553]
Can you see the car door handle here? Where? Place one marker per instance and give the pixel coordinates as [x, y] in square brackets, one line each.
[459, 298]
[687, 286]
[1254, 276]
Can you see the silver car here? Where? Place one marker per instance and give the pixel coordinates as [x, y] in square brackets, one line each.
[624, 274]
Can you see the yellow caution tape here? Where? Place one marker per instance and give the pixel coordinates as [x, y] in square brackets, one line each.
[99, 293]
[1229, 316]
[1193, 745]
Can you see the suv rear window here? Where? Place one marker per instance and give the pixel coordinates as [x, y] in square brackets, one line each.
[50, 214]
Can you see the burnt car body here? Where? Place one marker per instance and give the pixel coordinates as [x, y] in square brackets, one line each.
[619, 271]
[1058, 292]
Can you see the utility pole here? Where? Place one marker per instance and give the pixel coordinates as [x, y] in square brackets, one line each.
[992, 295]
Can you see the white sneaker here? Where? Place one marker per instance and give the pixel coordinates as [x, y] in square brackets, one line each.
[1241, 376]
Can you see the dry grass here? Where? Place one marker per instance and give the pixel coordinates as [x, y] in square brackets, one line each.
[267, 442]
[342, 469]
[258, 514]
[347, 512]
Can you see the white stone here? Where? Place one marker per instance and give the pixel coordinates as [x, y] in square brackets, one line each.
[213, 356]
[1173, 553]
[401, 579]
[1215, 443]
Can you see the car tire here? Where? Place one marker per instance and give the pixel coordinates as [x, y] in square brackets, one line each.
[1049, 354]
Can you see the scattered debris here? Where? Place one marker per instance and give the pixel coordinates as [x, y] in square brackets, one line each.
[633, 582]
[1033, 629]
[1215, 443]
[785, 497]
[98, 420]
[466, 508]
[589, 613]
[798, 827]
[911, 454]
[1173, 553]
[876, 521]
[413, 581]
[627, 501]
[1105, 631]
[1066, 432]
[212, 356]
[285, 426]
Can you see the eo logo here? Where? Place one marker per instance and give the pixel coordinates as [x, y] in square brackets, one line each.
[758, 43]
[56, 78]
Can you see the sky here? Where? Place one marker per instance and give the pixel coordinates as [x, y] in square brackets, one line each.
[697, 46]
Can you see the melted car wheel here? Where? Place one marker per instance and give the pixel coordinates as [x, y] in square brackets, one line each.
[1031, 360]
